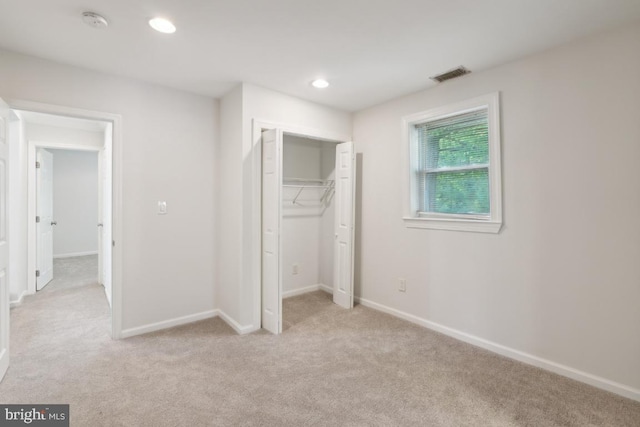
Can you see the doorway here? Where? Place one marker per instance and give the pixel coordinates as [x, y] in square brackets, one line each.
[68, 227]
[52, 127]
[74, 142]
[307, 221]
[18, 212]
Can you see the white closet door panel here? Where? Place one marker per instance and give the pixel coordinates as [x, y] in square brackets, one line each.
[344, 225]
[271, 206]
[4, 244]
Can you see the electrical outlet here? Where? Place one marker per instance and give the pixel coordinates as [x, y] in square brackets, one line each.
[402, 285]
[294, 269]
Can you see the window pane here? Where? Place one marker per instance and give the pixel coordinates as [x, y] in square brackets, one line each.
[462, 192]
[455, 141]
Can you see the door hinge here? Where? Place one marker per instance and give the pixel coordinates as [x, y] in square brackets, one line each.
[37, 165]
[37, 219]
[113, 243]
[37, 273]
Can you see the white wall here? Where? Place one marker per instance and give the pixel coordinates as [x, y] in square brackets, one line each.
[168, 154]
[75, 202]
[238, 285]
[301, 157]
[561, 282]
[228, 195]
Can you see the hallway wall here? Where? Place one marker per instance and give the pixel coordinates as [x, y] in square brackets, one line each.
[75, 202]
[168, 139]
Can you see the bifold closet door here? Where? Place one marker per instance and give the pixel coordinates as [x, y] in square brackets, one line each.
[343, 252]
[4, 243]
[271, 206]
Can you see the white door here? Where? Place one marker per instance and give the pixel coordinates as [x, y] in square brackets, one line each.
[343, 251]
[4, 250]
[44, 217]
[271, 205]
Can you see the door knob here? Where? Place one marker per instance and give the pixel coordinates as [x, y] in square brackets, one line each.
[54, 223]
[100, 225]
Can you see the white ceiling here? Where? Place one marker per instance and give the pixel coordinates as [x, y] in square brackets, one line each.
[370, 50]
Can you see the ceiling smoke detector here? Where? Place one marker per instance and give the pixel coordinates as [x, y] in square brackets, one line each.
[94, 20]
[451, 74]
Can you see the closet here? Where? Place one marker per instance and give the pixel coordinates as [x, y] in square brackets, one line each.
[307, 220]
[308, 213]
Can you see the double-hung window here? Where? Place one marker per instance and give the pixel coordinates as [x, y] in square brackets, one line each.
[454, 167]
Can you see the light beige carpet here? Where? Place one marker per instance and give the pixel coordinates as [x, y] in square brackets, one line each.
[73, 272]
[331, 367]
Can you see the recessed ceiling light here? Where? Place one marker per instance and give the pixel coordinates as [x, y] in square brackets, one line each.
[320, 83]
[162, 25]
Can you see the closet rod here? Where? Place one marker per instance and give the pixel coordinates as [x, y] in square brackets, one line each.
[328, 187]
[305, 179]
[306, 186]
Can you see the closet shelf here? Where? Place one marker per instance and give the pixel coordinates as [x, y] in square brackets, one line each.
[316, 184]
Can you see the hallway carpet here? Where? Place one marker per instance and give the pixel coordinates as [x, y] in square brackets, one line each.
[73, 272]
[330, 367]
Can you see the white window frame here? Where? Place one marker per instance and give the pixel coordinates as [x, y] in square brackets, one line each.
[491, 223]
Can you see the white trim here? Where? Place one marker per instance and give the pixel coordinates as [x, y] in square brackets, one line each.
[257, 125]
[116, 218]
[479, 226]
[20, 299]
[75, 254]
[410, 158]
[301, 291]
[566, 371]
[327, 289]
[240, 330]
[166, 324]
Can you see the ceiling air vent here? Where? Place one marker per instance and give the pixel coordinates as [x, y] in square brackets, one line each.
[451, 74]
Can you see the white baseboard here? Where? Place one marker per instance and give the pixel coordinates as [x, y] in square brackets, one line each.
[241, 330]
[326, 288]
[300, 291]
[19, 300]
[74, 254]
[594, 380]
[165, 324]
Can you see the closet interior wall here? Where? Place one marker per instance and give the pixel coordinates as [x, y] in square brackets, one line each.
[307, 214]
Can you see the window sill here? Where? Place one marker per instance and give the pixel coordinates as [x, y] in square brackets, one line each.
[454, 224]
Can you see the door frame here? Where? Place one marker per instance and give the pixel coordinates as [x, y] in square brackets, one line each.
[116, 206]
[33, 199]
[258, 125]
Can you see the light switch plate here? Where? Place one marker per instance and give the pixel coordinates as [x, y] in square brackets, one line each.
[162, 208]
